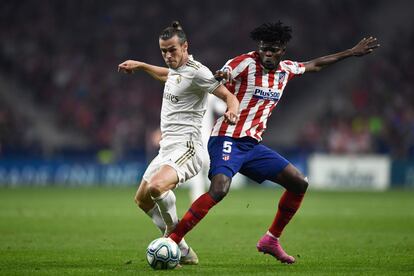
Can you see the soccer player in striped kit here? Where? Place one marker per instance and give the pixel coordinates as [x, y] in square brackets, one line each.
[187, 85]
[258, 80]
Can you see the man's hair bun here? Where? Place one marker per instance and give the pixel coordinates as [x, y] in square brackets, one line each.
[176, 25]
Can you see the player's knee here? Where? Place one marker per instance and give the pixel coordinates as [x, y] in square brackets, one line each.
[301, 185]
[141, 203]
[155, 188]
[218, 195]
[219, 187]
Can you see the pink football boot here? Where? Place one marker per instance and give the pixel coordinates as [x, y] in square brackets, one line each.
[269, 245]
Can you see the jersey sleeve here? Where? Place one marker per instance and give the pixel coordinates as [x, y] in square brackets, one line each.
[205, 80]
[294, 68]
[237, 65]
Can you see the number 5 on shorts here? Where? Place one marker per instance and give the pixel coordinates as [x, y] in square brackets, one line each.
[227, 146]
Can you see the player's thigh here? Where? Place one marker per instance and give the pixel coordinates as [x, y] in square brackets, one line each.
[263, 164]
[291, 179]
[165, 179]
[226, 156]
[159, 177]
[184, 157]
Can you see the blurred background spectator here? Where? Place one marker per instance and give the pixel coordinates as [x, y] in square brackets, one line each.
[60, 92]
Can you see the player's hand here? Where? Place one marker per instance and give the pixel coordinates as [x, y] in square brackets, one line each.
[365, 46]
[129, 66]
[230, 118]
[223, 75]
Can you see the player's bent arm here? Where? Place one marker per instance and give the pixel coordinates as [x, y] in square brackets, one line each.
[231, 101]
[131, 66]
[365, 46]
[157, 72]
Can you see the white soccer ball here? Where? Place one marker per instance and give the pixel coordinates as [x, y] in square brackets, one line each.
[163, 253]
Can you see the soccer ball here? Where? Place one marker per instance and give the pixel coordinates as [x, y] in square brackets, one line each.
[163, 253]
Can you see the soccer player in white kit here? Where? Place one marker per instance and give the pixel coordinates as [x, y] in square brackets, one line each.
[187, 85]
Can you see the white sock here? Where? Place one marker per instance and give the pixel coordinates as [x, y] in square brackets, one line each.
[155, 215]
[168, 210]
[270, 234]
[184, 248]
[168, 213]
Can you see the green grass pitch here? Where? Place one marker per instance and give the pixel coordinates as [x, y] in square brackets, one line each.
[99, 231]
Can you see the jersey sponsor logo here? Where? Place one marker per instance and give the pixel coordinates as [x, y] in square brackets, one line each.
[266, 93]
[170, 97]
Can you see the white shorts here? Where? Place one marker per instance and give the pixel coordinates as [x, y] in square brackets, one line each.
[186, 157]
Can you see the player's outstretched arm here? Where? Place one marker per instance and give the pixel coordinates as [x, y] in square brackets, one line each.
[131, 66]
[232, 103]
[365, 46]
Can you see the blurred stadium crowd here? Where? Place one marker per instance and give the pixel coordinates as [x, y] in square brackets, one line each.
[376, 114]
[64, 56]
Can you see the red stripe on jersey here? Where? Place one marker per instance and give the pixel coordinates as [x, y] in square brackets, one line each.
[290, 76]
[240, 95]
[259, 113]
[245, 112]
[257, 117]
[243, 116]
[258, 74]
[261, 127]
[254, 112]
[237, 60]
[271, 79]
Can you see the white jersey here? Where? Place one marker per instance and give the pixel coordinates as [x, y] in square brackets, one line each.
[185, 102]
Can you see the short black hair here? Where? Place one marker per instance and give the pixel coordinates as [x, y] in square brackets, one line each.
[272, 32]
[174, 29]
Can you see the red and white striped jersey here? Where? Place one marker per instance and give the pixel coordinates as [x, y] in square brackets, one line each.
[258, 91]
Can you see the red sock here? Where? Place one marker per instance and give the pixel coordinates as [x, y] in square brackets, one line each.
[288, 205]
[197, 212]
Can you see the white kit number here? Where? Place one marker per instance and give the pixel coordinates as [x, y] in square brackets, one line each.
[227, 146]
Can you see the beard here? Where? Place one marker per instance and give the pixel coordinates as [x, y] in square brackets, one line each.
[270, 64]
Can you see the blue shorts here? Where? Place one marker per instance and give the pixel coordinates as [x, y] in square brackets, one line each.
[245, 155]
